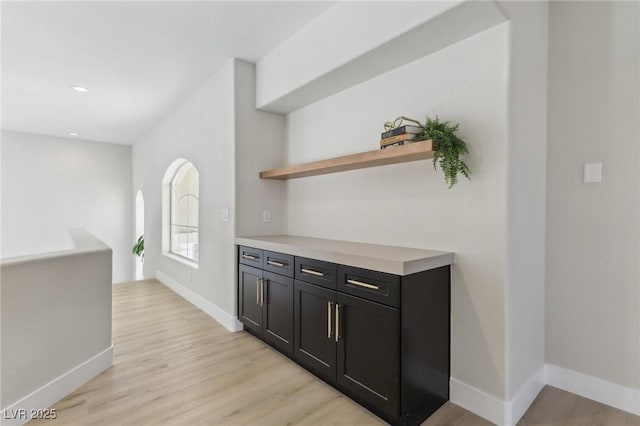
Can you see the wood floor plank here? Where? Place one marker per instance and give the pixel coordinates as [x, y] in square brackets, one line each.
[174, 365]
[555, 407]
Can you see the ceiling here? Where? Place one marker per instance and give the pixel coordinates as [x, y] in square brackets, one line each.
[137, 59]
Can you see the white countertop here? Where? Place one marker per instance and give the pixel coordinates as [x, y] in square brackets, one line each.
[390, 259]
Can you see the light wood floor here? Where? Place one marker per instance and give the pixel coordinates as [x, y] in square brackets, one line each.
[176, 366]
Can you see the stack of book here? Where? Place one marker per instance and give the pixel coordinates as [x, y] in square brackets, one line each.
[399, 136]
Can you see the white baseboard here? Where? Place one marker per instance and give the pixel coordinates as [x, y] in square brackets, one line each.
[478, 402]
[229, 322]
[615, 395]
[19, 412]
[519, 404]
[493, 409]
[507, 413]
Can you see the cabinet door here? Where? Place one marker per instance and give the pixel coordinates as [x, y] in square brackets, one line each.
[277, 311]
[249, 298]
[368, 351]
[314, 340]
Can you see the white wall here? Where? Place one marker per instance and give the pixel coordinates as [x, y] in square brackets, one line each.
[201, 130]
[353, 42]
[593, 230]
[260, 137]
[50, 185]
[56, 323]
[207, 129]
[353, 35]
[528, 22]
[409, 204]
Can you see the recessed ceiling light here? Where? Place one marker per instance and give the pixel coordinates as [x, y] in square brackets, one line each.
[74, 134]
[80, 89]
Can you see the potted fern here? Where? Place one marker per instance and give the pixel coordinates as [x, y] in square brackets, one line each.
[138, 248]
[448, 147]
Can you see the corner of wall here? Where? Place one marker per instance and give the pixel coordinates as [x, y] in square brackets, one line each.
[526, 193]
[228, 321]
[259, 144]
[501, 412]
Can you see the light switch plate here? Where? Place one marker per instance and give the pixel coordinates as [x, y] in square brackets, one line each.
[266, 216]
[592, 172]
[224, 215]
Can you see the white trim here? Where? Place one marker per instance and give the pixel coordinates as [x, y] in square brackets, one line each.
[493, 409]
[478, 402]
[59, 387]
[508, 413]
[519, 404]
[181, 259]
[229, 322]
[612, 394]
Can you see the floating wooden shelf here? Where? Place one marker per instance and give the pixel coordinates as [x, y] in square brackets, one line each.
[380, 157]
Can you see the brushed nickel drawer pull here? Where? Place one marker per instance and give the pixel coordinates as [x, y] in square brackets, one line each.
[257, 291]
[248, 256]
[312, 272]
[337, 322]
[274, 263]
[328, 320]
[365, 285]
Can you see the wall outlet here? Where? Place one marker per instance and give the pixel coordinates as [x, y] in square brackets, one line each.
[266, 216]
[224, 215]
[592, 172]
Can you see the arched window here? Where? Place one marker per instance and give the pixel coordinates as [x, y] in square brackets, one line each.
[184, 193]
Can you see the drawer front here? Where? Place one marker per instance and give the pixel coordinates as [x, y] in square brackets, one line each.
[278, 263]
[316, 272]
[371, 285]
[250, 256]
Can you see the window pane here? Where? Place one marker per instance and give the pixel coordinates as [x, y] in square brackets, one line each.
[184, 212]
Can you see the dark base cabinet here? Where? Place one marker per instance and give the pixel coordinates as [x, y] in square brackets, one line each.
[265, 306]
[425, 343]
[369, 352]
[314, 343]
[249, 307]
[381, 339]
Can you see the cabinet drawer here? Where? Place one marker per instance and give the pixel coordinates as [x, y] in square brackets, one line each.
[371, 285]
[250, 256]
[278, 263]
[316, 272]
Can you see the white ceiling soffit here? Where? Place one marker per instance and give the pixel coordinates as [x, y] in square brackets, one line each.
[137, 59]
[453, 25]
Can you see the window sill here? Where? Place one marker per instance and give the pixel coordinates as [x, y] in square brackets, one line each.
[182, 260]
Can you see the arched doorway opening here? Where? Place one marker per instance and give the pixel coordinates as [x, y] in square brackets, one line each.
[139, 268]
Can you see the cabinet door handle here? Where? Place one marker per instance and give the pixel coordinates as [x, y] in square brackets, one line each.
[257, 291]
[365, 285]
[337, 322]
[312, 272]
[248, 256]
[329, 320]
[264, 289]
[274, 263]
